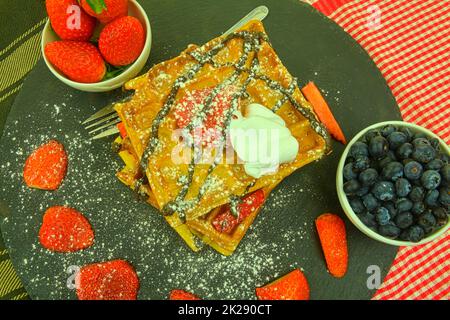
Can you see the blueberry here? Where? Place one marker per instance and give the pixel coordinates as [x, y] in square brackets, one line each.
[402, 187]
[374, 164]
[359, 149]
[387, 130]
[391, 154]
[370, 202]
[418, 208]
[431, 179]
[441, 216]
[420, 139]
[414, 234]
[445, 173]
[383, 162]
[396, 139]
[445, 158]
[406, 161]
[392, 171]
[417, 194]
[404, 220]
[389, 157]
[389, 231]
[427, 221]
[444, 196]
[368, 177]
[362, 191]
[378, 147]
[435, 164]
[349, 172]
[382, 216]
[431, 198]
[361, 163]
[435, 143]
[423, 153]
[357, 205]
[407, 131]
[405, 150]
[403, 204]
[367, 218]
[391, 208]
[383, 190]
[349, 160]
[371, 134]
[413, 170]
[351, 186]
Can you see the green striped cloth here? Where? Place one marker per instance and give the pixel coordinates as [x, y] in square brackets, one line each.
[19, 52]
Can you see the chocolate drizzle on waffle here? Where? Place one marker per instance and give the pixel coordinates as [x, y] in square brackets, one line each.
[251, 44]
[285, 99]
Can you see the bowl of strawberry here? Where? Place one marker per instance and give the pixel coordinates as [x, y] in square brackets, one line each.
[393, 182]
[95, 45]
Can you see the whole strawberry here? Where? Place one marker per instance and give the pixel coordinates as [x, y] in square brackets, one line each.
[121, 41]
[105, 10]
[79, 61]
[69, 21]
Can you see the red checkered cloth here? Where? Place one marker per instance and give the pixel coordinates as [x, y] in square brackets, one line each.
[409, 40]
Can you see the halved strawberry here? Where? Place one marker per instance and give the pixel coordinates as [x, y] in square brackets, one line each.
[112, 280]
[191, 104]
[333, 239]
[292, 286]
[46, 167]
[65, 230]
[225, 222]
[178, 294]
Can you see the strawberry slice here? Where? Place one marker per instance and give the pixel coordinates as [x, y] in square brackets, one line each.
[333, 239]
[292, 286]
[225, 222]
[323, 111]
[46, 167]
[65, 230]
[112, 280]
[191, 104]
[122, 130]
[178, 294]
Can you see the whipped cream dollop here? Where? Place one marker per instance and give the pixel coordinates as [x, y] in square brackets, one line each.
[261, 140]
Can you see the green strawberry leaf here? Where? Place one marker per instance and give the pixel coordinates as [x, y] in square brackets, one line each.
[94, 40]
[112, 71]
[97, 5]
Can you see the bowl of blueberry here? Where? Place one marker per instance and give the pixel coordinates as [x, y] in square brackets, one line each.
[393, 182]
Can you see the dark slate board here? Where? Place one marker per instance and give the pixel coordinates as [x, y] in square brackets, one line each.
[283, 237]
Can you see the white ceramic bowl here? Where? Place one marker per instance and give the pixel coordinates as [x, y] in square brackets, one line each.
[135, 10]
[346, 205]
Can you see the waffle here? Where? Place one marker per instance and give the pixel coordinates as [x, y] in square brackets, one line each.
[190, 195]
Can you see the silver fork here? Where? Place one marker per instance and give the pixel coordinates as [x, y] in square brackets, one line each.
[104, 122]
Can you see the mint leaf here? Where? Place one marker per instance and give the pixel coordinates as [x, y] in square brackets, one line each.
[97, 5]
[112, 71]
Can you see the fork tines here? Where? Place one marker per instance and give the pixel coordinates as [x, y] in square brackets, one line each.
[102, 123]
